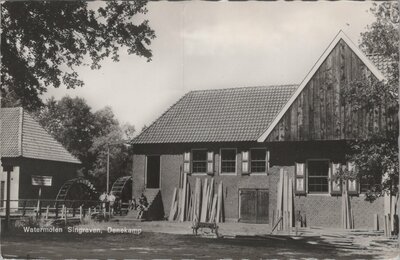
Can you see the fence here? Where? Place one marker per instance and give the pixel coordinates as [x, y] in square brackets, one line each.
[52, 208]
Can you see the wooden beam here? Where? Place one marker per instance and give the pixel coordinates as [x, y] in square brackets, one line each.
[219, 205]
[170, 217]
[183, 202]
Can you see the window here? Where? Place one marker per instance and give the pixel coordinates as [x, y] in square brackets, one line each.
[199, 161]
[318, 173]
[228, 160]
[258, 160]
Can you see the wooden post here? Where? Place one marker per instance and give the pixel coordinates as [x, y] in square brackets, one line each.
[273, 218]
[170, 217]
[80, 213]
[290, 202]
[219, 205]
[210, 198]
[66, 214]
[385, 226]
[278, 216]
[285, 198]
[8, 169]
[90, 212]
[279, 198]
[39, 206]
[214, 208]
[188, 202]
[183, 202]
[198, 200]
[24, 208]
[47, 211]
[204, 202]
[376, 222]
[179, 208]
[56, 209]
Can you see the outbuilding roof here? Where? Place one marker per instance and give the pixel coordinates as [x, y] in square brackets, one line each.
[22, 136]
[219, 115]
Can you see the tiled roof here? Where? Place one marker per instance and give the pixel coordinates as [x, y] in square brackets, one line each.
[22, 136]
[10, 125]
[220, 115]
[384, 64]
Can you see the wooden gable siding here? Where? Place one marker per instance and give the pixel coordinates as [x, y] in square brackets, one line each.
[319, 113]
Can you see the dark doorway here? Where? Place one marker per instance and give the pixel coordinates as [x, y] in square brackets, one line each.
[254, 205]
[153, 172]
[2, 184]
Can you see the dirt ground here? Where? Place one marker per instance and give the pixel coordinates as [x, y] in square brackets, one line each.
[168, 240]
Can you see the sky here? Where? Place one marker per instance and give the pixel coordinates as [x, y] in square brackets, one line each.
[209, 45]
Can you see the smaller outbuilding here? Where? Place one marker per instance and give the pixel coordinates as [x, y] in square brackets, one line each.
[29, 150]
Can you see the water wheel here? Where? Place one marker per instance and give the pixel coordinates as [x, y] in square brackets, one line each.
[122, 188]
[76, 192]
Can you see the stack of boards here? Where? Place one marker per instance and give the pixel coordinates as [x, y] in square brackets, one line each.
[203, 204]
[347, 211]
[390, 219]
[285, 202]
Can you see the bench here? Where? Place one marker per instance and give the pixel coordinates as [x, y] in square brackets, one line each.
[212, 226]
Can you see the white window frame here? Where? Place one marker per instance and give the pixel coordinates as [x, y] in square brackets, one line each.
[191, 161]
[220, 162]
[251, 160]
[328, 193]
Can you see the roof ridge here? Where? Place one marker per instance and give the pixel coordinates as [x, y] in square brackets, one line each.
[241, 88]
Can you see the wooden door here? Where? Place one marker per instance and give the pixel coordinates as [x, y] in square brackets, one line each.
[262, 206]
[253, 205]
[248, 206]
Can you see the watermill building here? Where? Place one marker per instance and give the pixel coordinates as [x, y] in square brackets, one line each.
[247, 136]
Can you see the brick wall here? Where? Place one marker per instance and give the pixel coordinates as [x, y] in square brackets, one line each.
[320, 210]
[171, 161]
[325, 210]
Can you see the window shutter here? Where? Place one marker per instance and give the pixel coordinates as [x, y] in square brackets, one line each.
[245, 162]
[186, 162]
[352, 185]
[300, 187]
[336, 187]
[267, 161]
[210, 163]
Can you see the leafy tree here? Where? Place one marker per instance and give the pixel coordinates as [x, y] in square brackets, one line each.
[376, 155]
[87, 135]
[120, 159]
[72, 123]
[42, 42]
